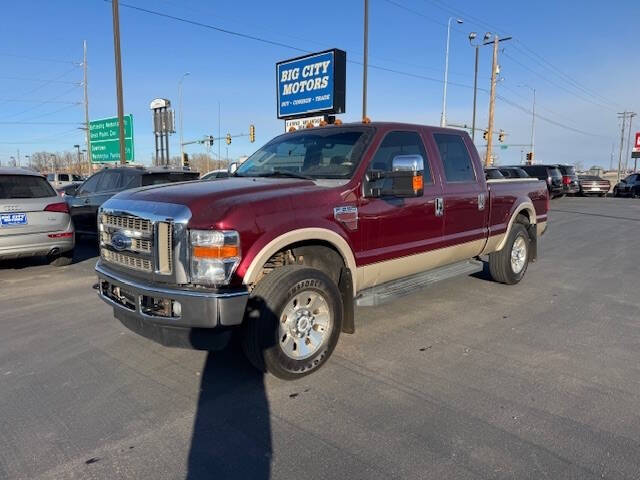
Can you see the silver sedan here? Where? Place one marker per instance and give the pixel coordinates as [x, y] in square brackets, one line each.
[34, 220]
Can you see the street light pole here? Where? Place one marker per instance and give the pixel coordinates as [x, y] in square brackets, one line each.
[118, 62]
[443, 117]
[184, 75]
[533, 120]
[472, 37]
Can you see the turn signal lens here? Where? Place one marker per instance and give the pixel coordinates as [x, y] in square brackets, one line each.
[215, 254]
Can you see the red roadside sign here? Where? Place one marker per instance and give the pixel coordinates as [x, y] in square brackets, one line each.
[638, 140]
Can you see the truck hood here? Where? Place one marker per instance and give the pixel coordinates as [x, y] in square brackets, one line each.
[203, 197]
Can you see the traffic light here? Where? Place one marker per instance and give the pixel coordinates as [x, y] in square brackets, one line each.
[485, 134]
[529, 158]
[228, 139]
[501, 136]
[185, 160]
[211, 140]
[252, 133]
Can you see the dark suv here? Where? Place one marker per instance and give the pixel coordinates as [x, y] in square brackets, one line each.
[629, 187]
[550, 174]
[570, 183]
[101, 186]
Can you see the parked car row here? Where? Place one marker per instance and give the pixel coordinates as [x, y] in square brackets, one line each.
[563, 180]
[36, 221]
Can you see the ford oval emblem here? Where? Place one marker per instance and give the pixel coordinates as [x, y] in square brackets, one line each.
[120, 241]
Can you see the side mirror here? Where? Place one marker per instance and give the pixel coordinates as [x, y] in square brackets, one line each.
[233, 166]
[405, 179]
[72, 191]
[407, 163]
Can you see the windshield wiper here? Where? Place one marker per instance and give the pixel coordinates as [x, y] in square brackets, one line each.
[285, 173]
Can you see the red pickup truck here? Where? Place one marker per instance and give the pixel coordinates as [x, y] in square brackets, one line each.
[312, 224]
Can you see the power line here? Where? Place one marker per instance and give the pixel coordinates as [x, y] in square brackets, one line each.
[377, 67]
[548, 120]
[51, 139]
[27, 79]
[44, 102]
[41, 59]
[46, 83]
[557, 85]
[539, 58]
[40, 123]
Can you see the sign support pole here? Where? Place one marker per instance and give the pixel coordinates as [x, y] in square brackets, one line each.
[118, 61]
[366, 59]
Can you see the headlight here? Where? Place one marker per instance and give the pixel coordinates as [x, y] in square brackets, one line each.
[215, 254]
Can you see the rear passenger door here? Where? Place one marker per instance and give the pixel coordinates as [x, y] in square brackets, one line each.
[465, 197]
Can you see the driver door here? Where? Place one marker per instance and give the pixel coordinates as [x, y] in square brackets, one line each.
[396, 231]
[81, 209]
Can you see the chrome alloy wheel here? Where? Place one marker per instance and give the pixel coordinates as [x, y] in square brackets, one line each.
[518, 254]
[305, 325]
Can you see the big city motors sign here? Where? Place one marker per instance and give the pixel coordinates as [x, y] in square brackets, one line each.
[311, 84]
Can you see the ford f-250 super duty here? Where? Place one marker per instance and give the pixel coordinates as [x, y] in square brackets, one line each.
[315, 222]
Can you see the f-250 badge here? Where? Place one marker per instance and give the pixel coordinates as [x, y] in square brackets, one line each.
[347, 215]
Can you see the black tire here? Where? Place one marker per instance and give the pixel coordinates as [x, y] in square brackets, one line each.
[500, 262]
[615, 192]
[265, 309]
[62, 260]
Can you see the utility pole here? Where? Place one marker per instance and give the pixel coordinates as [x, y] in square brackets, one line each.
[218, 129]
[86, 107]
[19, 150]
[622, 115]
[365, 60]
[627, 156]
[492, 95]
[118, 61]
[492, 100]
[475, 95]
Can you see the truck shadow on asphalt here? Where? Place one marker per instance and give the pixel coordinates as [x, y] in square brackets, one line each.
[231, 433]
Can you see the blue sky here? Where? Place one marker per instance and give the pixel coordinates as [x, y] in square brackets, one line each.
[581, 60]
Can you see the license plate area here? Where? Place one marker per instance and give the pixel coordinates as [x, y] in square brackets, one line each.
[118, 295]
[14, 219]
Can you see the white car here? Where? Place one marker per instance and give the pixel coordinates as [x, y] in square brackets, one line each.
[34, 220]
[59, 180]
[213, 174]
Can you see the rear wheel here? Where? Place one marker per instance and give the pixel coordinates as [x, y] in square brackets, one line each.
[510, 264]
[293, 321]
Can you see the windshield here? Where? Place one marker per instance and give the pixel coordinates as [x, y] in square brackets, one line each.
[332, 152]
[24, 186]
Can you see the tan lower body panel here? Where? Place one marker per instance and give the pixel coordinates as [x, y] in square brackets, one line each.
[381, 272]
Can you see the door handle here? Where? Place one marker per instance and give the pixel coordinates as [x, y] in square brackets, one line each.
[86, 201]
[439, 209]
[481, 201]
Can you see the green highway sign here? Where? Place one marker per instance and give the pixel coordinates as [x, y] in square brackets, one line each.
[504, 147]
[104, 139]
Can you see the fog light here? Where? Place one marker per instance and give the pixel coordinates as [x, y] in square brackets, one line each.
[177, 309]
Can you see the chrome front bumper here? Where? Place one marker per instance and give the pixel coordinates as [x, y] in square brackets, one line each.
[200, 311]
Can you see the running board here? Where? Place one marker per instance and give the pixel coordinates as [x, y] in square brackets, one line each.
[390, 291]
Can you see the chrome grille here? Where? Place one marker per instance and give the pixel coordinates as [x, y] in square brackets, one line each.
[138, 244]
[128, 223]
[129, 261]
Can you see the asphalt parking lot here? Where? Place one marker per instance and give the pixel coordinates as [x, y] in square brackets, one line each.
[467, 379]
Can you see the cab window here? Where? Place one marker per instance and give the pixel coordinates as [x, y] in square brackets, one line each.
[400, 143]
[455, 158]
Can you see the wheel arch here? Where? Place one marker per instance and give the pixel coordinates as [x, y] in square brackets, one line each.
[524, 208]
[308, 236]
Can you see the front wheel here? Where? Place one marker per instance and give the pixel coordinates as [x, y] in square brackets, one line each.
[510, 264]
[293, 321]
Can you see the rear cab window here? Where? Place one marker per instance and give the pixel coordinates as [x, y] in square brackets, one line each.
[455, 157]
[24, 186]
